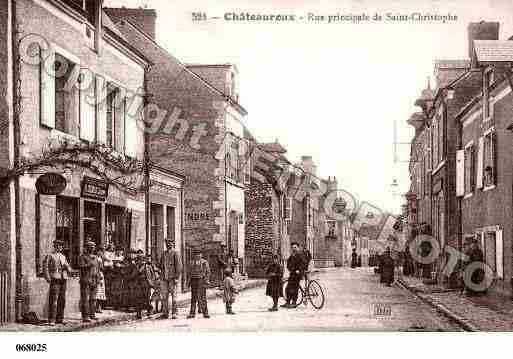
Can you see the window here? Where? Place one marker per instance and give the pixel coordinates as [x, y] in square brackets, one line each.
[331, 225]
[487, 100]
[115, 118]
[233, 165]
[490, 159]
[111, 119]
[441, 134]
[67, 228]
[287, 208]
[469, 168]
[434, 139]
[66, 99]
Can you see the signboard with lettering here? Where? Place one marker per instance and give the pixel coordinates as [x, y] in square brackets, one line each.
[50, 184]
[95, 188]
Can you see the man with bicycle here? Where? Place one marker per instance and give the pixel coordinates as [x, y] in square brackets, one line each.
[296, 268]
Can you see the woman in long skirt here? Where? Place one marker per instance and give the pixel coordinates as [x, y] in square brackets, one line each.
[275, 283]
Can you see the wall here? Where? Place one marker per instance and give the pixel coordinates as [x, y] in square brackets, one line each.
[493, 207]
[68, 35]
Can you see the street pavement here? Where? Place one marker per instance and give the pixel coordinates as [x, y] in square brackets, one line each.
[352, 296]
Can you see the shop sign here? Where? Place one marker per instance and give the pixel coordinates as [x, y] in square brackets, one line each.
[50, 184]
[95, 188]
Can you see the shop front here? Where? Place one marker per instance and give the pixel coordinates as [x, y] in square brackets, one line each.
[87, 209]
[166, 195]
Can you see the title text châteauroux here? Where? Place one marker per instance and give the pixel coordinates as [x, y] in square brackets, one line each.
[245, 16]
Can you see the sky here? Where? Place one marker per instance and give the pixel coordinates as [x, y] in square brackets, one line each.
[330, 91]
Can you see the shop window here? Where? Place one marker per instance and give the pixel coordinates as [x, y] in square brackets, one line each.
[118, 227]
[67, 228]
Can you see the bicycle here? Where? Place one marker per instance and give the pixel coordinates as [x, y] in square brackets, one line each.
[312, 291]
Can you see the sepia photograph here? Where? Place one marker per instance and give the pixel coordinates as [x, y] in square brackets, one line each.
[188, 169]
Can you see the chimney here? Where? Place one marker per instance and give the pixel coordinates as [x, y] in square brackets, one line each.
[145, 19]
[308, 165]
[481, 31]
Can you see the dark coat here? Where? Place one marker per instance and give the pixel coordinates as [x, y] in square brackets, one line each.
[275, 283]
[387, 269]
[354, 260]
[139, 283]
[408, 268]
[295, 263]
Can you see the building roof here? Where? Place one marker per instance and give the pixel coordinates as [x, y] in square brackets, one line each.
[273, 147]
[494, 50]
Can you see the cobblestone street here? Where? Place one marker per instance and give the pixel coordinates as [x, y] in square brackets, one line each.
[352, 295]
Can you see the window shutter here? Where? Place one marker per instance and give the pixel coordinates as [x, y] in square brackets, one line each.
[130, 135]
[472, 171]
[88, 109]
[494, 152]
[47, 87]
[480, 167]
[247, 161]
[499, 254]
[460, 173]
[101, 123]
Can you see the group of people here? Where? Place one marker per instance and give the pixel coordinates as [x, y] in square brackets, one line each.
[297, 265]
[132, 281]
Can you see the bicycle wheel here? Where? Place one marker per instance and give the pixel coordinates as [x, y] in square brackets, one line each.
[315, 294]
[300, 294]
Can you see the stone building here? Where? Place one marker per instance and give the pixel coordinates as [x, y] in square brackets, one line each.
[267, 215]
[66, 109]
[196, 130]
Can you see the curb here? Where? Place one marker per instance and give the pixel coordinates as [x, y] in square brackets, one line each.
[462, 322]
[130, 317]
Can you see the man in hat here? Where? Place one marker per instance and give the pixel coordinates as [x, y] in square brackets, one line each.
[56, 270]
[170, 270]
[223, 260]
[89, 278]
[295, 266]
[200, 274]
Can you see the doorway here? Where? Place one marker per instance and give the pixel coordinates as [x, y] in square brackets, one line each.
[92, 222]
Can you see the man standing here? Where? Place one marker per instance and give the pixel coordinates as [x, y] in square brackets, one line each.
[387, 268]
[56, 270]
[223, 261]
[200, 274]
[89, 278]
[170, 271]
[295, 265]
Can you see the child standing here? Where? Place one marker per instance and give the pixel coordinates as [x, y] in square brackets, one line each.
[229, 290]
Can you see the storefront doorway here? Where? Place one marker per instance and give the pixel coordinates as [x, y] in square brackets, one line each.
[92, 222]
[67, 221]
[157, 231]
[118, 226]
